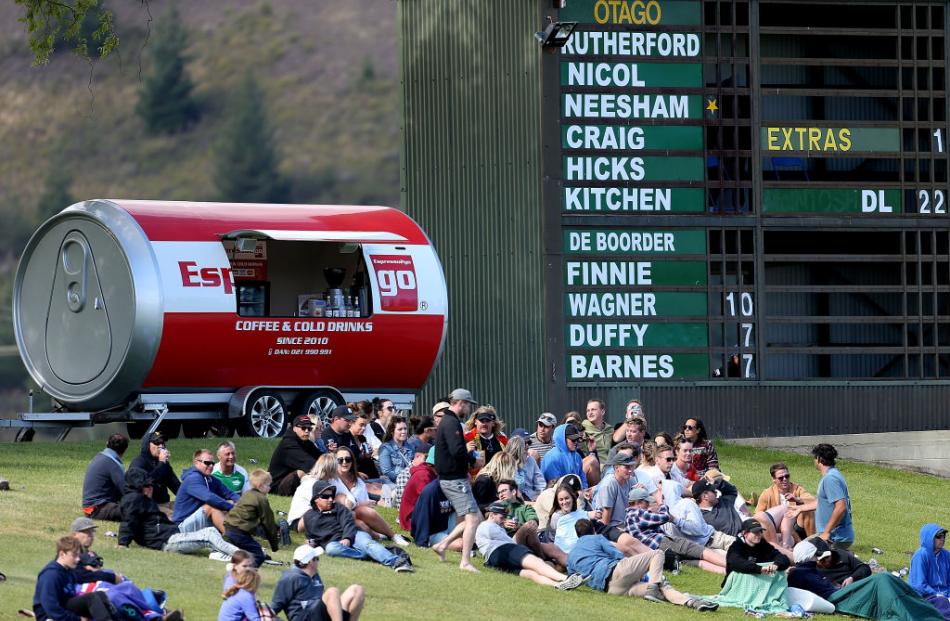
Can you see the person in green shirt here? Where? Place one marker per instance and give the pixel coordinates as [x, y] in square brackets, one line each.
[597, 428]
[228, 471]
[521, 522]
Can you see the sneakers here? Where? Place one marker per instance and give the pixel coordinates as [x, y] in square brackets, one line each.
[399, 540]
[702, 605]
[571, 582]
[654, 594]
[219, 556]
[270, 561]
[403, 567]
[176, 615]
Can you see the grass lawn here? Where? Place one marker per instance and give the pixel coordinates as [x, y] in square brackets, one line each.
[46, 481]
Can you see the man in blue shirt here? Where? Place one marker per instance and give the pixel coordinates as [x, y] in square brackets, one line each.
[300, 592]
[833, 514]
[608, 570]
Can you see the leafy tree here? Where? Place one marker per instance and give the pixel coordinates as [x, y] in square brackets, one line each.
[246, 158]
[49, 21]
[165, 101]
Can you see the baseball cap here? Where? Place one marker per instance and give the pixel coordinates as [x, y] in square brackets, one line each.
[547, 419]
[715, 473]
[573, 432]
[461, 394]
[498, 507]
[438, 407]
[751, 526]
[82, 523]
[322, 486]
[156, 438]
[486, 416]
[638, 493]
[423, 447]
[341, 411]
[806, 550]
[621, 459]
[304, 554]
[521, 432]
[303, 421]
[701, 486]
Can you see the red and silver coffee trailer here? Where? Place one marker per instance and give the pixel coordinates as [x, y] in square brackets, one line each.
[245, 312]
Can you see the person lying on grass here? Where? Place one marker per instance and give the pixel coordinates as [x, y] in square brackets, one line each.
[300, 592]
[331, 525]
[593, 555]
[145, 524]
[501, 552]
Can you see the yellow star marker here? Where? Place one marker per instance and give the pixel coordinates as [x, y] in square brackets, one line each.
[711, 106]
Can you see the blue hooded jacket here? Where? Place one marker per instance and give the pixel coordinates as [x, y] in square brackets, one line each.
[198, 490]
[929, 572]
[560, 460]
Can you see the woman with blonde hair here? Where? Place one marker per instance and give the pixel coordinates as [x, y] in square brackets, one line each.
[484, 428]
[240, 601]
[501, 467]
[324, 470]
[528, 475]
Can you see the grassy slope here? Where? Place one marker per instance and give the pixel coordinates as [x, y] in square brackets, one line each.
[889, 508]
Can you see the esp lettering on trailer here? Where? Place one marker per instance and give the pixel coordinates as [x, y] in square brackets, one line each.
[193, 276]
[396, 276]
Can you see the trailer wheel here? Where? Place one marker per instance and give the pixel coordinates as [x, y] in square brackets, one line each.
[265, 415]
[320, 403]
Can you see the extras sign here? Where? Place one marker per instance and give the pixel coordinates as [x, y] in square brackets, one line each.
[396, 278]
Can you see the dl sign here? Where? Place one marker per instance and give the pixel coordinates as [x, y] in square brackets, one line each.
[396, 277]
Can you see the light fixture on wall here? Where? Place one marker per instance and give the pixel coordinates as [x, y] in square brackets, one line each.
[556, 34]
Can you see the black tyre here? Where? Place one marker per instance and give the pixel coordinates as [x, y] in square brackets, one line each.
[265, 415]
[136, 430]
[320, 403]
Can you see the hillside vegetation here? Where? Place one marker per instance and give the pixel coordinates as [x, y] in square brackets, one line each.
[328, 70]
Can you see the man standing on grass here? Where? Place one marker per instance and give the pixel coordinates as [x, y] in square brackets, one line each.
[453, 458]
[833, 514]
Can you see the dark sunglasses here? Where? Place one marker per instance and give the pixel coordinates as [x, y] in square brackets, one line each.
[689, 428]
[668, 458]
[205, 462]
[344, 460]
[389, 407]
[159, 444]
[326, 496]
[784, 477]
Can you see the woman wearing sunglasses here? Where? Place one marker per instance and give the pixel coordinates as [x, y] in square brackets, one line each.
[704, 453]
[352, 492]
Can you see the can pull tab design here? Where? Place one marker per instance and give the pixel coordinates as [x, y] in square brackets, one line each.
[74, 256]
[78, 337]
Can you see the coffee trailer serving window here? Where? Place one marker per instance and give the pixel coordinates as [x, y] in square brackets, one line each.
[302, 273]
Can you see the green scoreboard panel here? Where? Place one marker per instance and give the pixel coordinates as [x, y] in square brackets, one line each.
[753, 190]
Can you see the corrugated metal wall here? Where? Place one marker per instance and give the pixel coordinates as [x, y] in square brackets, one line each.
[735, 411]
[471, 178]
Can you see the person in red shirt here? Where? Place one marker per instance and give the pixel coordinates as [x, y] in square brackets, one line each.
[485, 429]
[420, 474]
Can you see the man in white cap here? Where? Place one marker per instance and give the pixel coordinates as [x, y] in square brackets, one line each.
[542, 440]
[453, 458]
[301, 594]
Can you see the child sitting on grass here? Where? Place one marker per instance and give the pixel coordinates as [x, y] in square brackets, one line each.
[250, 512]
[240, 603]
